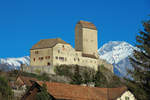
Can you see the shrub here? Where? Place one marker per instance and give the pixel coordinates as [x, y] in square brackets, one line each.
[5, 89]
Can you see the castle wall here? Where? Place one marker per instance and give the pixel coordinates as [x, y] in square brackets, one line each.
[89, 41]
[60, 54]
[41, 57]
[106, 65]
[65, 54]
[38, 69]
[78, 38]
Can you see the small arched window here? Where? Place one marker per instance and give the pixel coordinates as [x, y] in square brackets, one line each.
[48, 64]
[33, 59]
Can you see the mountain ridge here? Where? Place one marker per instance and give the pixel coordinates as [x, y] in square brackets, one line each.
[117, 53]
[7, 64]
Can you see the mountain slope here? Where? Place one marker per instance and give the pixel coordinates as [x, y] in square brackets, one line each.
[117, 53]
[13, 63]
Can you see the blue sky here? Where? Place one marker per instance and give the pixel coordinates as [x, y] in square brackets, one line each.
[25, 22]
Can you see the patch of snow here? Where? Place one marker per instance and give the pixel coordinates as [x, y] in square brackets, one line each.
[15, 63]
[117, 53]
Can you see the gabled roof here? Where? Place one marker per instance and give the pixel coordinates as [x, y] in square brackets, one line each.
[77, 92]
[47, 43]
[27, 80]
[86, 24]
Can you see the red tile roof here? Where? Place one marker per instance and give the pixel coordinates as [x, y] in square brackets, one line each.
[27, 80]
[77, 92]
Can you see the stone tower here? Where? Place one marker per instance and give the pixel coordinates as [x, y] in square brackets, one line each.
[86, 38]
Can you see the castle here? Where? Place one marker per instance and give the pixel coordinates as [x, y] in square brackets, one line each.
[48, 53]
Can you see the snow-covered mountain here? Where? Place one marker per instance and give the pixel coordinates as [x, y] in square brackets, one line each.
[13, 63]
[117, 53]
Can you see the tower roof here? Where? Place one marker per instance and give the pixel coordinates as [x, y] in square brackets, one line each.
[86, 24]
[47, 43]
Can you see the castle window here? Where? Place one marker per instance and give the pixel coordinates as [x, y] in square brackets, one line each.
[41, 58]
[36, 52]
[48, 64]
[74, 59]
[63, 48]
[61, 58]
[78, 59]
[56, 57]
[33, 59]
[58, 51]
[48, 57]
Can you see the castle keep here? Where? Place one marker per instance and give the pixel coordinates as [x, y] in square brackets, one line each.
[48, 53]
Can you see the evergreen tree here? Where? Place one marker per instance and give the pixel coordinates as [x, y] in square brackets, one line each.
[99, 78]
[139, 83]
